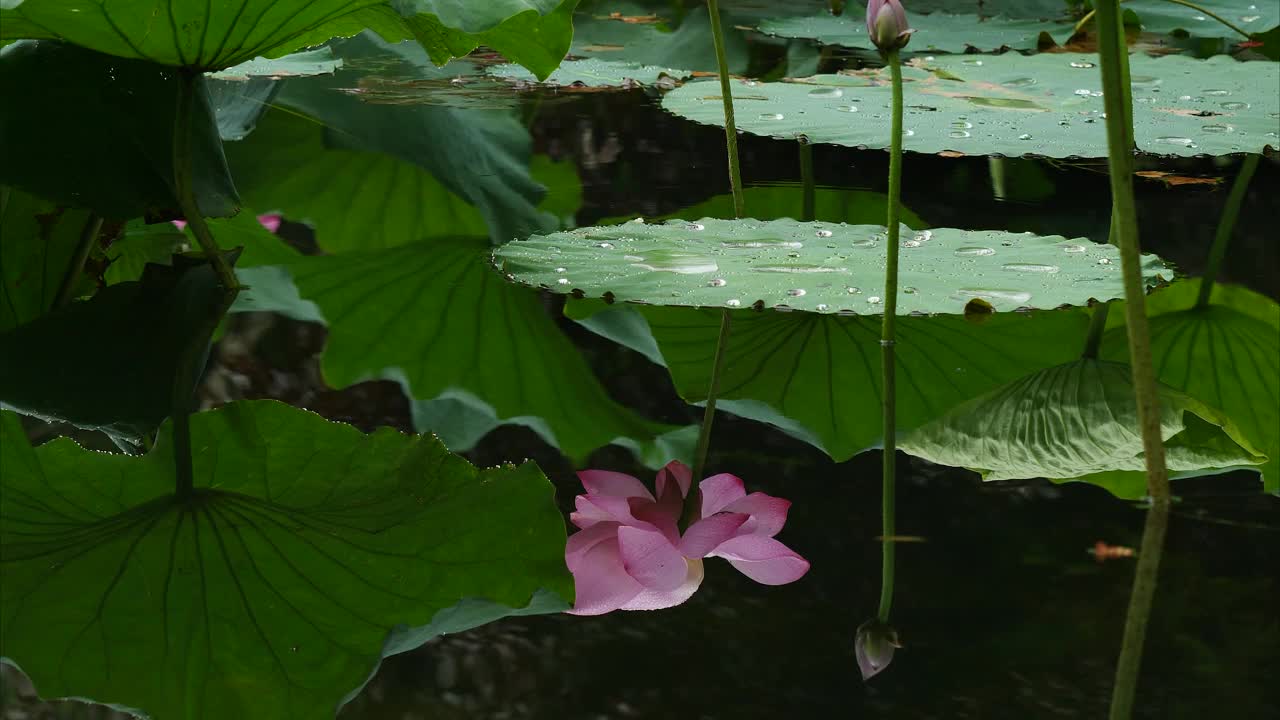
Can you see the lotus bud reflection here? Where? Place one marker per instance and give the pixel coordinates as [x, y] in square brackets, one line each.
[887, 24]
[874, 646]
[631, 555]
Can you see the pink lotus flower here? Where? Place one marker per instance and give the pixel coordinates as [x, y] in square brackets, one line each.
[631, 555]
[270, 221]
[887, 24]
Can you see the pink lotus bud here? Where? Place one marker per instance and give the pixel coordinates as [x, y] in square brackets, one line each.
[887, 24]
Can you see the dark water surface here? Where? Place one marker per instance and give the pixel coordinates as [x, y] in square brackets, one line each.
[1002, 610]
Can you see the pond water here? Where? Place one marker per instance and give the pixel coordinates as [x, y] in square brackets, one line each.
[1002, 607]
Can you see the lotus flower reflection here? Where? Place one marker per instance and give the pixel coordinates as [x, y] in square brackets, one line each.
[631, 555]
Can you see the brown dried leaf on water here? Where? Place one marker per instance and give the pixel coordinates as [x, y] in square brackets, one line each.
[1174, 180]
[632, 19]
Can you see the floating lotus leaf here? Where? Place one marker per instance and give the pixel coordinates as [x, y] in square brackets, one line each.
[817, 377]
[1046, 105]
[311, 62]
[307, 553]
[1077, 421]
[817, 267]
[596, 34]
[1226, 355]
[935, 32]
[1162, 16]
[595, 73]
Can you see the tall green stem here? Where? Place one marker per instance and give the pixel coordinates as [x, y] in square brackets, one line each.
[887, 341]
[88, 234]
[806, 181]
[182, 180]
[726, 95]
[713, 389]
[1120, 159]
[1226, 226]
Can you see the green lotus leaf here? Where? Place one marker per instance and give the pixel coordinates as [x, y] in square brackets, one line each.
[461, 161]
[111, 362]
[307, 553]
[1164, 17]
[319, 61]
[686, 45]
[532, 33]
[1076, 421]
[188, 33]
[935, 32]
[101, 135]
[1226, 355]
[817, 377]
[595, 73]
[1045, 105]
[411, 314]
[40, 243]
[817, 267]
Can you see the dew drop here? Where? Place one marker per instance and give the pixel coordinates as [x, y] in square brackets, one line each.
[821, 307]
[562, 281]
[924, 236]
[873, 300]
[911, 243]
[910, 290]
[1024, 136]
[851, 290]
[718, 282]
[826, 93]
[973, 250]
[695, 227]
[962, 124]
[1073, 248]
[1019, 82]
[1083, 92]
[908, 133]
[1104, 261]
[733, 302]
[605, 245]
[975, 63]
[1079, 64]
[1017, 296]
[561, 270]
[782, 308]
[958, 134]
[1032, 268]
[771, 116]
[797, 292]
[1216, 92]
[824, 233]
[848, 108]
[1173, 140]
[1234, 105]
[1218, 129]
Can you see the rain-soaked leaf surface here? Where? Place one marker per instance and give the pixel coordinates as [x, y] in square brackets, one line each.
[594, 73]
[101, 135]
[1078, 421]
[1047, 105]
[110, 362]
[472, 351]
[817, 377]
[817, 267]
[307, 553]
[1226, 355]
[40, 240]
[935, 32]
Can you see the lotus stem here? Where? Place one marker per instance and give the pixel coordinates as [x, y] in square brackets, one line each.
[1120, 161]
[887, 341]
[1089, 16]
[88, 234]
[806, 181]
[1097, 325]
[726, 95]
[713, 389]
[1226, 225]
[182, 161]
